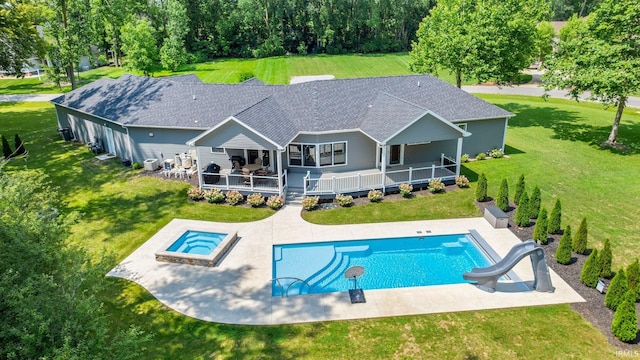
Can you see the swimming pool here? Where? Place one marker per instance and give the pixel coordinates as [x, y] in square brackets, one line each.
[388, 263]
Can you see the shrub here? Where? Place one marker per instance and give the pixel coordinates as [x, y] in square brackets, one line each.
[436, 186]
[375, 195]
[464, 158]
[136, 166]
[310, 202]
[19, 146]
[245, 75]
[502, 202]
[580, 240]
[604, 260]
[345, 200]
[590, 271]
[275, 202]
[616, 291]
[633, 279]
[255, 200]
[481, 190]
[496, 153]
[233, 197]
[625, 321]
[563, 253]
[195, 193]
[522, 211]
[520, 185]
[6, 149]
[462, 181]
[555, 219]
[214, 196]
[405, 190]
[534, 203]
[540, 230]
[481, 156]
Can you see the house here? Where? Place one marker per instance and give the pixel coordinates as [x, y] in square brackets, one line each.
[324, 137]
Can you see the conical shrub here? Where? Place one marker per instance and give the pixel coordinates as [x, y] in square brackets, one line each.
[580, 239]
[534, 203]
[19, 146]
[605, 258]
[625, 321]
[555, 219]
[616, 291]
[590, 271]
[481, 190]
[522, 211]
[6, 149]
[519, 190]
[633, 278]
[540, 230]
[502, 202]
[563, 252]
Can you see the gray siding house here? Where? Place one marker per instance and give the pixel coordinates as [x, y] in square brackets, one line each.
[322, 138]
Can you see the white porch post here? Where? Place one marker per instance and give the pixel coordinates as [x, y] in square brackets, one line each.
[280, 171]
[458, 155]
[199, 167]
[383, 165]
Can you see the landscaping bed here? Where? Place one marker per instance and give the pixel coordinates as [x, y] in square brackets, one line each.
[594, 309]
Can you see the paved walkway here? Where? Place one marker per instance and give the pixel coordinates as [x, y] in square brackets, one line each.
[238, 290]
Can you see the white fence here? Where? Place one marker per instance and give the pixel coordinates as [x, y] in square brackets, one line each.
[244, 183]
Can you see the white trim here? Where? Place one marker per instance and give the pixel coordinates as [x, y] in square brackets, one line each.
[166, 127]
[111, 141]
[486, 118]
[129, 144]
[462, 126]
[388, 151]
[504, 136]
[224, 150]
[438, 117]
[193, 141]
[317, 154]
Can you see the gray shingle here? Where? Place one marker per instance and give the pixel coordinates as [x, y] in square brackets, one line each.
[309, 107]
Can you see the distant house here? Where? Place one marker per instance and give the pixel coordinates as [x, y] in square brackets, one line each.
[325, 137]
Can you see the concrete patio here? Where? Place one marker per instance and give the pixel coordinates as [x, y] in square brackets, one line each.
[238, 290]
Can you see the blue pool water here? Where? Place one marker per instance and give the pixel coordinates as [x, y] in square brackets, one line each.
[197, 242]
[388, 263]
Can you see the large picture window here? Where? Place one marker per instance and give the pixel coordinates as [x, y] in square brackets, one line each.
[318, 155]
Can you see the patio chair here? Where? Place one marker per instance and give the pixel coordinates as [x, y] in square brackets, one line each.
[246, 176]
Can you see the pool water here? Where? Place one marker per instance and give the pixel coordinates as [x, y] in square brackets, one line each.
[197, 242]
[388, 263]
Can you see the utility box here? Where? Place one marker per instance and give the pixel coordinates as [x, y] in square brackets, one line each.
[496, 217]
[151, 164]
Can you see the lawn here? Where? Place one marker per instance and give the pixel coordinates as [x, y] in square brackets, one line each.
[274, 70]
[549, 142]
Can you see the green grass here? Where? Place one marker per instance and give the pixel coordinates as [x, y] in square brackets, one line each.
[274, 70]
[550, 142]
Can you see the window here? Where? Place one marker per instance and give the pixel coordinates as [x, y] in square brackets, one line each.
[315, 155]
[295, 154]
[217, 150]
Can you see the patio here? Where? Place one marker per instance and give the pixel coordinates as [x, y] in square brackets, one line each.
[238, 290]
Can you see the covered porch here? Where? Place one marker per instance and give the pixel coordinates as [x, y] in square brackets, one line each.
[390, 177]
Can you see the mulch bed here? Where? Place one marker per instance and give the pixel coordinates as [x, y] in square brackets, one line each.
[593, 310]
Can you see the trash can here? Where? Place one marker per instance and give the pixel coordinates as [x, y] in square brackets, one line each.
[126, 162]
[213, 174]
[65, 133]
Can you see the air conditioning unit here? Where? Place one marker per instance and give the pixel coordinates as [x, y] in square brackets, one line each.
[151, 164]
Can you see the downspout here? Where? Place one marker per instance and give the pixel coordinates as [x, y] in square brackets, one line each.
[504, 136]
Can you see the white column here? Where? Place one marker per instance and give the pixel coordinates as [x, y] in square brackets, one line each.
[458, 155]
[383, 166]
[280, 171]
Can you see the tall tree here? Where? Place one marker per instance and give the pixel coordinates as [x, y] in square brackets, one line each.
[69, 26]
[173, 52]
[139, 43]
[19, 39]
[109, 16]
[48, 302]
[604, 60]
[485, 40]
[545, 32]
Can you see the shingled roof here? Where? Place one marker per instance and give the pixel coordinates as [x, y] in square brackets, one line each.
[377, 106]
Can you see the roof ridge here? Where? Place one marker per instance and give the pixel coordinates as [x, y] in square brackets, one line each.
[256, 104]
[405, 101]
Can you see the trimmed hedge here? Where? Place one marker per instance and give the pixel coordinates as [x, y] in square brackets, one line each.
[617, 289]
[625, 320]
[502, 202]
[555, 219]
[590, 271]
[481, 190]
[540, 231]
[519, 190]
[563, 253]
[605, 258]
[580, 239]
[633, 278]
[522, 211]
[534, 203]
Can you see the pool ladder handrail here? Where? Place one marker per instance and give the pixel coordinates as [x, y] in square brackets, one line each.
[286, 293]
